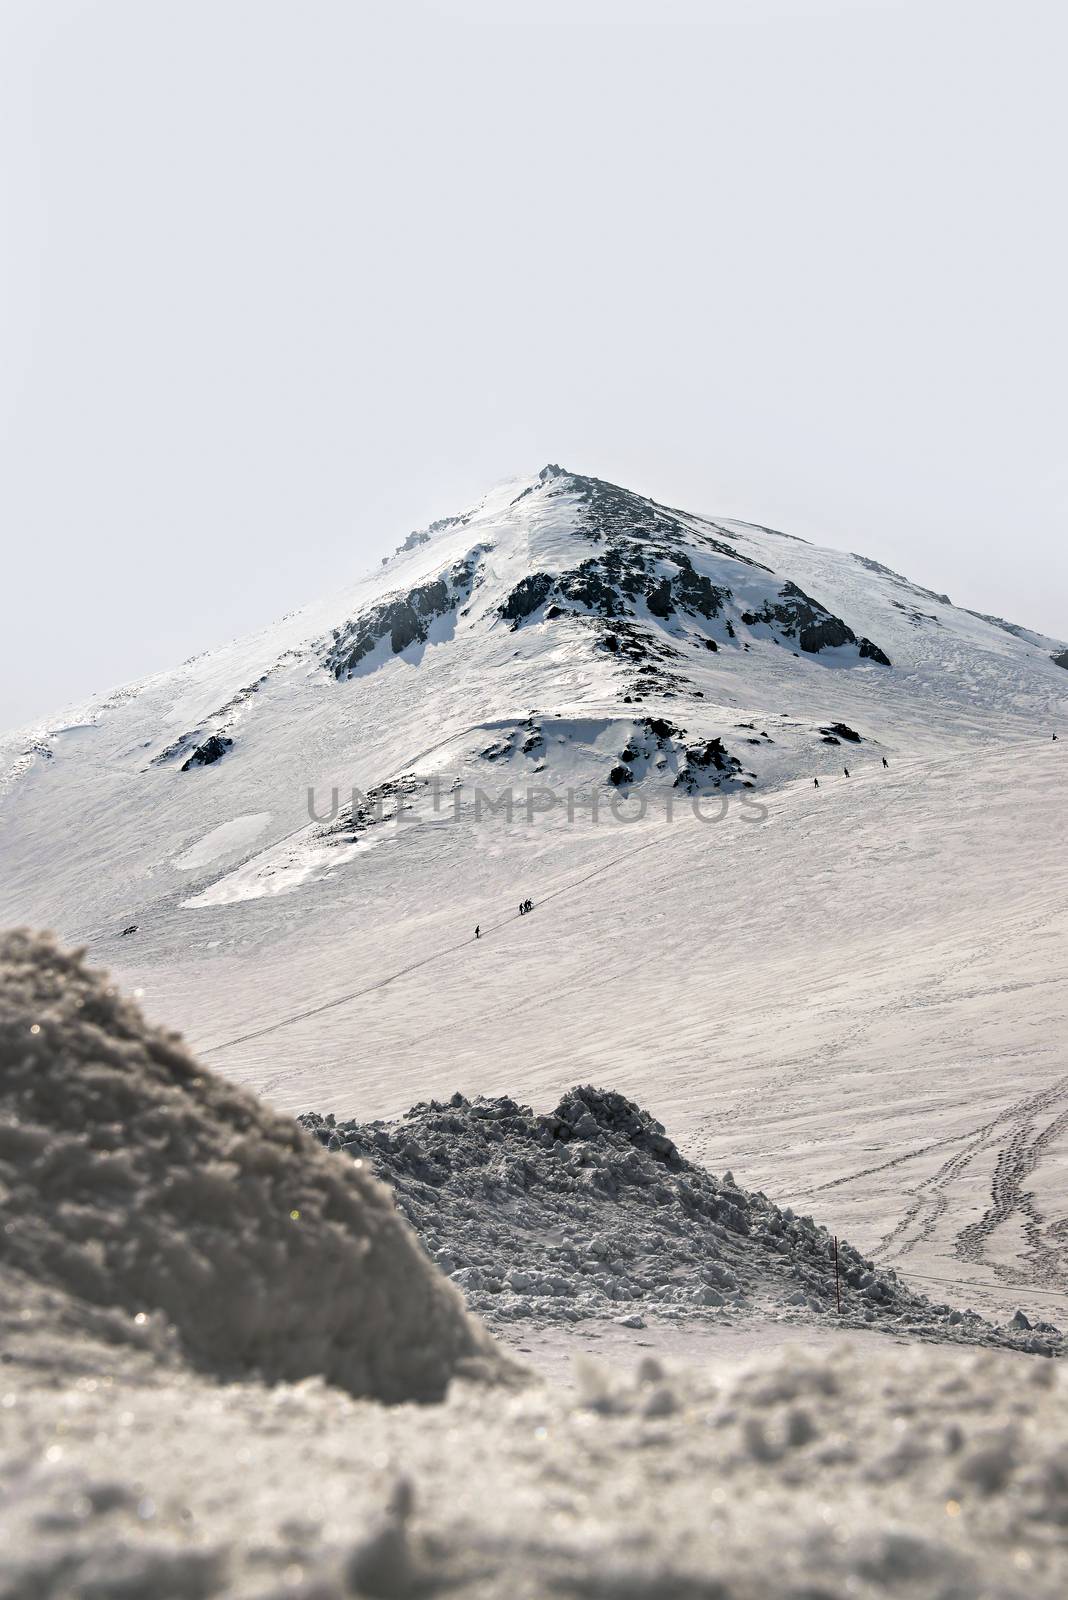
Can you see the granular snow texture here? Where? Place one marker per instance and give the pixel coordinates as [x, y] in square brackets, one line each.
[131, 1178]
[874, 1474]
[134, 1179]
[591, 1212]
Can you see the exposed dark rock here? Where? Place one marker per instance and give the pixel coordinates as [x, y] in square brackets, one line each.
[661, 728]
[1060, 660]
[411, 543]
[529, 593]
[871, 652]
[608, 585]
[529, 731]
[843, 731]
[636, 535]
[710, 756]
[825, 635]
[404, 620]
[382, 803]
[798, 616]
[213, 749]
[696, 593]
[659, 599]
[185, 740]
[643, 555]
[424, 535]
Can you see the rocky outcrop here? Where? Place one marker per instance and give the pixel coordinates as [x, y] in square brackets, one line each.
[871, 652]
[213, 749]
[403, 620]
[711, 755]
[797, 616]
[657, 745]
[613, 584]
[644, 564]
[529, 593]
[219, 719]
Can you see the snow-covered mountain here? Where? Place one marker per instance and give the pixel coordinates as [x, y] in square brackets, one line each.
[564, 629]
[608, 662]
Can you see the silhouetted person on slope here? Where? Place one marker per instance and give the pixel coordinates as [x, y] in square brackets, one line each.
[846, 771]
[816, 781]
[528, 905]
[476, 930]
[885, 762]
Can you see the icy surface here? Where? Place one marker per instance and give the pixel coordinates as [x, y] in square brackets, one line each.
[224, 840]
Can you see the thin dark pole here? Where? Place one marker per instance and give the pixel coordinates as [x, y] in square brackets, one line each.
[837, 1281]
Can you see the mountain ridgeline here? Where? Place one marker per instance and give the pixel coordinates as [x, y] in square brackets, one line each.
[564, 634]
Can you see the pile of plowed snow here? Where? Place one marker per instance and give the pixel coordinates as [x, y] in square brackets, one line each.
[134, 1179]
[591, 1211]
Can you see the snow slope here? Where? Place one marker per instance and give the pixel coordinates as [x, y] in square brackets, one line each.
[853, 993]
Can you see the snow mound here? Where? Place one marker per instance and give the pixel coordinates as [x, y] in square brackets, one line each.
[591, 1211]
[134, 1178]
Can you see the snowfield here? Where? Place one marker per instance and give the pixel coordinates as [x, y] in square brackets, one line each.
[851, 995]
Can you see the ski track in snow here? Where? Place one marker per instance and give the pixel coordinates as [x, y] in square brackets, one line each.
[924, 1220]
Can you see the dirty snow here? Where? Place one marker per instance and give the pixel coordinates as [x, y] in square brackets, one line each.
[590, 1211]
[134, 1180]
[868, 1471]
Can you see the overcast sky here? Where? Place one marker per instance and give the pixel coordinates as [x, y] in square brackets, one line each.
[284, 279]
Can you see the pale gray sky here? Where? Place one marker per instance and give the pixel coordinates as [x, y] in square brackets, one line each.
[284, 279]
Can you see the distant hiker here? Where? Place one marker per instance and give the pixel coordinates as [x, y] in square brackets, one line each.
[846, 771]
[528, 905]
[522, 907]
[476, 930]
[885, 762]
[816, 781]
